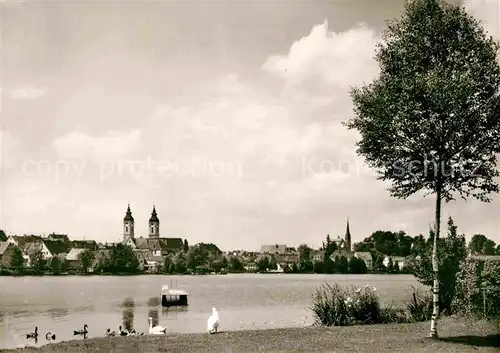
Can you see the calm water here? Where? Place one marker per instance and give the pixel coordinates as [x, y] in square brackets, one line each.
[244, 301]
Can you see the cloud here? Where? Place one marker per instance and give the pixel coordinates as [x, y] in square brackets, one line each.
[112, 145]
[339, 59]
[28, 92]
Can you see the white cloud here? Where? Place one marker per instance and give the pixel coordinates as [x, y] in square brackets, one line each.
[28, 92]
[340, 59]
[110, 146]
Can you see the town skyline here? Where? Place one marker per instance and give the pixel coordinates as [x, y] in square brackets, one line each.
[229, 124]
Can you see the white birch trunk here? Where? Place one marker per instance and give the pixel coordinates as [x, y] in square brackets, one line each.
[435, 268]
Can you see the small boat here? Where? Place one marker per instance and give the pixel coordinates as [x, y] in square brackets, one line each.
[173, 297]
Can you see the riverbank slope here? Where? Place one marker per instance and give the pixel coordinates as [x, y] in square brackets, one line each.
[456, 336]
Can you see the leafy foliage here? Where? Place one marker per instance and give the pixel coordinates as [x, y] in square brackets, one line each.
[478, 288]
[480, 244]
[17, 260]
[122, 260]
[357, 266]
[37, 261]
[86, 258]
[453, 253]
[430, 121]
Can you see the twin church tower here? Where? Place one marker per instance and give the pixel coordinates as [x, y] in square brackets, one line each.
[128, 225]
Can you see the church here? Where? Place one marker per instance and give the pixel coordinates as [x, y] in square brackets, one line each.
[156, 246]
[344, 249]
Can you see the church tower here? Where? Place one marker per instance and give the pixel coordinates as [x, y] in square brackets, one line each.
[347, 237]
[128, 225]
[154, 225]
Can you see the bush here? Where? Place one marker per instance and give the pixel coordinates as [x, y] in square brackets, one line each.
[478, 288]
[334, 305]
[330, 305]
[420, 306]
[452, 253]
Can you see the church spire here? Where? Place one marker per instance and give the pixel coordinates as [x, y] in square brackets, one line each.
[347, 237]
[154, 224]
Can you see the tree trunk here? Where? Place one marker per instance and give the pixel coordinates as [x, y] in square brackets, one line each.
[435, 268]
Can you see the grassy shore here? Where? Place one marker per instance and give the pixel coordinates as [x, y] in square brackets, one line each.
[456, 336]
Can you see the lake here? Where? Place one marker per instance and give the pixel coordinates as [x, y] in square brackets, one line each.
[244, 301]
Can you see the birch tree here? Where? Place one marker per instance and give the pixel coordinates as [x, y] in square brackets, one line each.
[430, 122]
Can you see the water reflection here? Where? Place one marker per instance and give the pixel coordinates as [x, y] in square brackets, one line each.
[153, 302]
[58, 312]
[128, 314]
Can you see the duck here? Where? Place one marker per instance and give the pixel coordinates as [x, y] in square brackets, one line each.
[213, 321]
[132, 333]
[110, 333]
[49, 336]
[32, 334]
[157, 330]
[81, 332]
[122, 332]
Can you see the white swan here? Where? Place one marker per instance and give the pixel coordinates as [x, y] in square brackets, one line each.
[213, 321]
[157, 330]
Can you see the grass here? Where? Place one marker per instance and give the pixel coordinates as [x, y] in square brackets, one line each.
[457, 335]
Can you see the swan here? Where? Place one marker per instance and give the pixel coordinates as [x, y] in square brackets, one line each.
[157, 330]
[33, 334]
[122, 332]
[50, 336]
[81, 332]
[110, 333]
[213, 321]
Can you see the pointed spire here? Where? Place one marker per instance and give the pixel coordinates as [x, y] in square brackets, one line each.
[154, 216]
[128, 215]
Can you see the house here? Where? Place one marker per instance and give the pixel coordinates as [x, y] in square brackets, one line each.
[73, 258]
[3, 236]
[275, 249]
[85, 244]
[48, 248]
[6, 253]
[317, 255]
[398, 261]
[250, 266]
[366, 256]
[62, 237]
[341, 253]
[23, 241]
[158, 246]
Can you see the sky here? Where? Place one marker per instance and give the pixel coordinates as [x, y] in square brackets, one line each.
[225, 116]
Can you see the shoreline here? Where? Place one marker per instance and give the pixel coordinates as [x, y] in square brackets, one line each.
[192, 274]
[456, 335]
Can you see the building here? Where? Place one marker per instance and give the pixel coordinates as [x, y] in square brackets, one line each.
[62, 237]
[150, 251]
[317, 255]
[23, 241]
[73, 258]
[276, 249]
[366, 257]
[48, 248]
[3, 236]
[128, 225]
[154, 225]
[84, 244]
[6, 253]
[398, 261]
